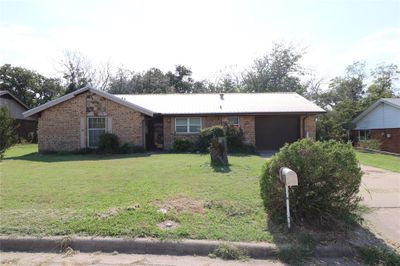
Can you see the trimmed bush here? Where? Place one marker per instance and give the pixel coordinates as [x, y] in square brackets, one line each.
[128, 148]
[207, 134]
[235, 137]
[370, 144]
[184, 145]
[108, 143]
[329, 181]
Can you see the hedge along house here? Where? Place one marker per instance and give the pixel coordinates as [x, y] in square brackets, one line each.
[380, 121]
[155, 121]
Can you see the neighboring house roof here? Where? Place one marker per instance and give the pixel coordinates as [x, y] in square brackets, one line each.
[384, 113]
[395, 102]
[77, 92]
[15, 98]
[226, 103]
[180, 104]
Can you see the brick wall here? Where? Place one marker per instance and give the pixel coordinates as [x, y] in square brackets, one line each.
[391, 144]
[127, 123]
[309, 126]
[59, 127]
[247, 123]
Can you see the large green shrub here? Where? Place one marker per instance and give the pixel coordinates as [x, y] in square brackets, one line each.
[234, 138]
[7, 131]
[207, 134]
[329, 180]
[108, 143]
[184, 145]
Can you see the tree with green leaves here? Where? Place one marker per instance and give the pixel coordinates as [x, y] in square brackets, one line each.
[343, 102]
[278, 71]
[7, 131]
[181, 80]
[383, 84]
[30, 87]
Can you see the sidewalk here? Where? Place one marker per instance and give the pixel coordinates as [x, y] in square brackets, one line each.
[28, 259]
[381, 192]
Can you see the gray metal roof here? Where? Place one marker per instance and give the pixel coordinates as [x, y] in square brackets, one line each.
[73, 94]
[208, 103]
[229, 103]
[393, 101]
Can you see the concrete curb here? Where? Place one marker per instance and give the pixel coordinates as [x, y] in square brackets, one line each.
[153, 246]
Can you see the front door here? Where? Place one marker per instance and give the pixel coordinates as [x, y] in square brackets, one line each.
[155, 134]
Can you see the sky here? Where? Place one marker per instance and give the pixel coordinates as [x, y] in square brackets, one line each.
[208, 36]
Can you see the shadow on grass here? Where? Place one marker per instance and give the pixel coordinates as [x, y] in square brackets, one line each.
[307, 244]
[221, 168]
[66, 157]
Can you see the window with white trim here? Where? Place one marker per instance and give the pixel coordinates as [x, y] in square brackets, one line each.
[96, 127]
[187, 125]
[364, 134]
[233, 120]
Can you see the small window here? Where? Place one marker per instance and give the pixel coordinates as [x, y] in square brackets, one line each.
[233, 120]
[187, 125]
[364, 134]
[96, 127]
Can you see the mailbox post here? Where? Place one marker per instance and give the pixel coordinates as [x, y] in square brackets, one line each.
[289, 178]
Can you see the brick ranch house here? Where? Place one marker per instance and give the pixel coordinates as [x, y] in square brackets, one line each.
[380, 121]
[76, 120]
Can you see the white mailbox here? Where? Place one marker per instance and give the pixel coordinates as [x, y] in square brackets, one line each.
[288, 177]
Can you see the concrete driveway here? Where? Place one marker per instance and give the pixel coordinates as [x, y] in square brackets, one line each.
[381, 192]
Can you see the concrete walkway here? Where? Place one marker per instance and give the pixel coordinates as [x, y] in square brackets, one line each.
[381, 192]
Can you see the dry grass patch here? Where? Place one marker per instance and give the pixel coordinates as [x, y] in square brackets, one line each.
[180, 204]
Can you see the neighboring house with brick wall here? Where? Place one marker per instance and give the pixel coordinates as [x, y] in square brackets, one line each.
[380, 121]
[154, 121]
[25, 126]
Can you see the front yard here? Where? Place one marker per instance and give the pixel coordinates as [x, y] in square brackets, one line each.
[121, 195]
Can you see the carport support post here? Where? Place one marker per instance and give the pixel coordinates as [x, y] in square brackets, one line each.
[287, 205]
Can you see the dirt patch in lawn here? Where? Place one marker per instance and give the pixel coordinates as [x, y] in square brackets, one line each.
[168, 225]
[114, 211]
[180, 204]
[110, 212]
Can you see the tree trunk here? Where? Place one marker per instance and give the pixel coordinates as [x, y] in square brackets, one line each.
[218, 151]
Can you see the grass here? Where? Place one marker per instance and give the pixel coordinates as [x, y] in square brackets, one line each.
[383, 161]
[115, 195]
[228, 251]
[372, 255]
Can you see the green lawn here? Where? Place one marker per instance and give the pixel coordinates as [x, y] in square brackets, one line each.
[91, 195]
[387, 162]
